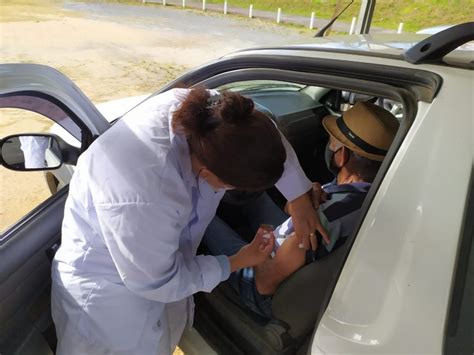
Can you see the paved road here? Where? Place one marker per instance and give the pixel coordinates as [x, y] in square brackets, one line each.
[236, 31]
[338, 26]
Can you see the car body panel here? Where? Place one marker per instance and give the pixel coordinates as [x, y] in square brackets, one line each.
[388, 46]
[355, 56]
[393, 293]
[397, 280]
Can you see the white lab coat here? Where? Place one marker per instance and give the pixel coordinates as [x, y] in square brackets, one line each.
[127, 268]
[34, 151]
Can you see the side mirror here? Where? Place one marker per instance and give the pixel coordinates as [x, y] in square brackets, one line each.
[28, 152]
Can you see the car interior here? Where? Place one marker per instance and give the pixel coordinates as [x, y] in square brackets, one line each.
[221, 319]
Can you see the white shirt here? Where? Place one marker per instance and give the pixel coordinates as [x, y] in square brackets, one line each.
[34, 149]
[127, 267]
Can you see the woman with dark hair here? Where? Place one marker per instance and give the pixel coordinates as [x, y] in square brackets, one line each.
[139, 202]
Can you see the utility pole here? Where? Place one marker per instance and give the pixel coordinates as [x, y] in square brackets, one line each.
[365, 16]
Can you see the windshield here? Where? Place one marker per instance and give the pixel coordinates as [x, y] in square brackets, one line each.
[262, 85]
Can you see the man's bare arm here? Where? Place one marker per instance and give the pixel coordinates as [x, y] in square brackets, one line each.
[270, 274]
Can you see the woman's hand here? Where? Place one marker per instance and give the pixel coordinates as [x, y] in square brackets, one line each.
[306, 222]
[318, 195]
[255, 252]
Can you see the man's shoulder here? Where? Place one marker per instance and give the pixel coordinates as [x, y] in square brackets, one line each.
[355, 187]
[343, 199]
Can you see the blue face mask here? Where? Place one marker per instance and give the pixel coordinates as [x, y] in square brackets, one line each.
[225, 188]
[202, 181]
[328, 157]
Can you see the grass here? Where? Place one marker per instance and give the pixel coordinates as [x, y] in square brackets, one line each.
[31, 10]
[415, 14]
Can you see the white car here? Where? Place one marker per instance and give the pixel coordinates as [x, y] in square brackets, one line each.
[111, 110]
[403, 282]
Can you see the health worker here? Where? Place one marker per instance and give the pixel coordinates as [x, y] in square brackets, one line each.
[139, 202]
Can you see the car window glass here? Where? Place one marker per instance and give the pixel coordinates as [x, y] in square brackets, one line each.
[43, 107]
[261, 85]
[22, 191]
[298, 110]
[281, 98]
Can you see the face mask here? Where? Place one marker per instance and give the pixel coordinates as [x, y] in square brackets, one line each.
[328, 157]
[225, 188]
[216, 190]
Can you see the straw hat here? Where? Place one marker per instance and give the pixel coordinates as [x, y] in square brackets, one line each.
[366, 129]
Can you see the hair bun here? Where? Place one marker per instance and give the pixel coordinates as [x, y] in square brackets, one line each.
[193, 114]
[200, 114]
[235, 108]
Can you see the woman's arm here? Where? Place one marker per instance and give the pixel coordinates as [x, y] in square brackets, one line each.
[294, 185]
[143, 241]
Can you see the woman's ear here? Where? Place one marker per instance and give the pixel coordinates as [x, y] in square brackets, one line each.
[204, 173]
[210, 178]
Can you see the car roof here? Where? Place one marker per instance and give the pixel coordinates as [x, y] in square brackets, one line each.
[384, 45]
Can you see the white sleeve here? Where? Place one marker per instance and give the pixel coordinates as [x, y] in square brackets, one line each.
[143, 240]
[293, 183]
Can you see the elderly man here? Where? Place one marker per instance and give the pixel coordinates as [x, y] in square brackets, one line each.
[358, 143]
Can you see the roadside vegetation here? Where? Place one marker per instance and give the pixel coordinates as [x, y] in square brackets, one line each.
[31, 10]
[415, 14]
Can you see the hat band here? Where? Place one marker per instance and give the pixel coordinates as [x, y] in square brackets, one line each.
[359, 142]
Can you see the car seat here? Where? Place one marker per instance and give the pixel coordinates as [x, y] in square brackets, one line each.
[297, 305]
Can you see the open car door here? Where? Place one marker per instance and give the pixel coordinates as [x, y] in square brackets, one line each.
[27, 244]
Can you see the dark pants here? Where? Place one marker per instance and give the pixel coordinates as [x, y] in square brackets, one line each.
[221, 239]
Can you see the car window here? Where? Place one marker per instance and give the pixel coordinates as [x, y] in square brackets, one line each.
[279, 97]
[23, 191]
[298, 110]
[43, 107]
[262, 85]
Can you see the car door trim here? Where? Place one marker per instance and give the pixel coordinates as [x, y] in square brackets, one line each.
[423, 84]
